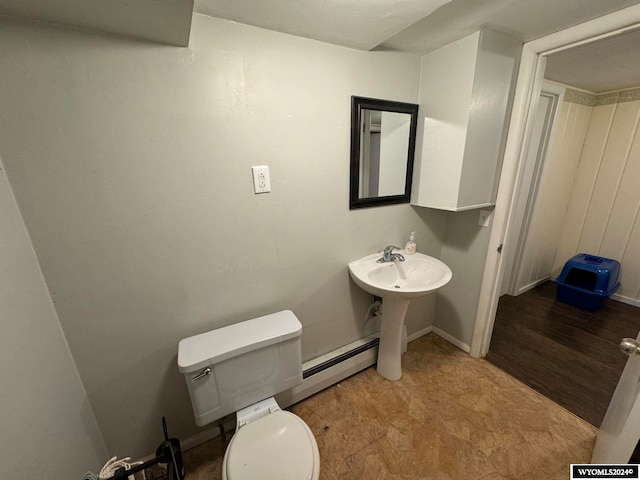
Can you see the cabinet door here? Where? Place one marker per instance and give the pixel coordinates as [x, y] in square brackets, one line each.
[465, 93]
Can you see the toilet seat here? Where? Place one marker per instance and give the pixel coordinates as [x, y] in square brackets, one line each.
[277, 446]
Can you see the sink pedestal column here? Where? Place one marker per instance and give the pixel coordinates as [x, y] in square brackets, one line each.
[390, 348]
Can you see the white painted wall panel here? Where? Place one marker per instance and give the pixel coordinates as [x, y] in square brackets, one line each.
[603, 214]
[625, 207]
[609, 176]
[591, 157]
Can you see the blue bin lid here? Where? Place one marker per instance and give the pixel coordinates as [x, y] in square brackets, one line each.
[606, 270]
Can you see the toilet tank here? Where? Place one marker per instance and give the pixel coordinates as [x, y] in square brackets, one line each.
[233, 367]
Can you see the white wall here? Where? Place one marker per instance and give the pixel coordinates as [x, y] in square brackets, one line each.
[48, 427]
[131, 165]
[464, 251]
[603, 213]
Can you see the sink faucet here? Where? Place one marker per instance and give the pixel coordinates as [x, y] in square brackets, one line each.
[387, 256]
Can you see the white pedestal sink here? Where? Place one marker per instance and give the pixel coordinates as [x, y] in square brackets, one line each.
[397, 283]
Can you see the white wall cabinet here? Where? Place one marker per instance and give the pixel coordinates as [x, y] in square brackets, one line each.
[465, 91]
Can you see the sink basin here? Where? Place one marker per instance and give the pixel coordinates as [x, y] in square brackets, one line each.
[418, 275]
[397, 283]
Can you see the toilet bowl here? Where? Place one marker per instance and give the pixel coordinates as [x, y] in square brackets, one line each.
[238, 369]
[279, 445]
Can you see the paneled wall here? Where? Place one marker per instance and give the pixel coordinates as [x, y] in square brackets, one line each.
[603, 210]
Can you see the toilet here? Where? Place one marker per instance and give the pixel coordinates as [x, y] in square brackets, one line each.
[239, 369]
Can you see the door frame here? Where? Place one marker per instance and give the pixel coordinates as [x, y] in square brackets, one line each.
[524, 204]
[528, 88]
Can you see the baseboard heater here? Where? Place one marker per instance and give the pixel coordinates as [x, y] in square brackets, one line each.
[331, 368]
[313, 370]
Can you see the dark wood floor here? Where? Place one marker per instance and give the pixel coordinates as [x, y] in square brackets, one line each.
[568, 354]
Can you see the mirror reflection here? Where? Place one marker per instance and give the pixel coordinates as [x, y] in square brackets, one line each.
[384, 143]
[382, 149]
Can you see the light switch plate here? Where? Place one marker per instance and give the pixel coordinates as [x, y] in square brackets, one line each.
[484, 217]
[261, 179]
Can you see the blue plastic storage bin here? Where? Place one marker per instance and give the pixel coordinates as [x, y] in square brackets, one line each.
[586, 280]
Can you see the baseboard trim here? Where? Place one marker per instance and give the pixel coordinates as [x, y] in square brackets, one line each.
[532, 285]
[419, 333]
[452, 340]
[627, 300]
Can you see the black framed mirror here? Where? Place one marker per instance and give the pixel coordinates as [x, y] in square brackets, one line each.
[383, 141]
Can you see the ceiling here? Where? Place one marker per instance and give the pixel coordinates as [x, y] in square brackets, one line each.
[361, 24]
[602, 66]
[416, 26]
[523, 19]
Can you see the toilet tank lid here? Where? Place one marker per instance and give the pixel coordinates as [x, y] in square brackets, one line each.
[223, 343]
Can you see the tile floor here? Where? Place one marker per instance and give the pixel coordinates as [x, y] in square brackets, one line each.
[449, 417]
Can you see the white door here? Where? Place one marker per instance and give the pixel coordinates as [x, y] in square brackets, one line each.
[620, 429]
[518, 261]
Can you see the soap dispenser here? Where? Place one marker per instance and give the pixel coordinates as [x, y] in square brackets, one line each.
[410, 247]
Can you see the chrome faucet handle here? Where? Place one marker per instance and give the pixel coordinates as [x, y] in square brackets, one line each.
[387, 256]
[389, 248]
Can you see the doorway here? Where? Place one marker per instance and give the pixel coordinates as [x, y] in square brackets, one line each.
[585, 197]
[578, 193]
[525, 263]
[528, 87]
[530, 78]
